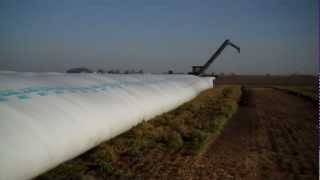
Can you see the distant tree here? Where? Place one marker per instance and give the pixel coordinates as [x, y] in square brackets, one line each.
[111, 71]
[170, 72]
[140, 71]
[79, 70]
[101, 71]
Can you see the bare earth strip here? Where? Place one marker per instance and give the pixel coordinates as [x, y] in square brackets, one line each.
[273, 136]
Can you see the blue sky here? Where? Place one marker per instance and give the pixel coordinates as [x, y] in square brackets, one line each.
[275, 36]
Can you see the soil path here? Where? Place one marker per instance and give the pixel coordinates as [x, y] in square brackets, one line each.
[272, 136]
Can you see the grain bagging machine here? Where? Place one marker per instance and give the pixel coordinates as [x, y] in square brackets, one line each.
[200, 70]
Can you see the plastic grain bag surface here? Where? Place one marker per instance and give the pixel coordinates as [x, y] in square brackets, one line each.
[49, 118]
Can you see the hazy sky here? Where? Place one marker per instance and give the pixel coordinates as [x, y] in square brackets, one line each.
[275, 36]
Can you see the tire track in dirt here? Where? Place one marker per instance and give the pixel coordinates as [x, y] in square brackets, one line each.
[290, 122]
[232, 155]
[272, 136]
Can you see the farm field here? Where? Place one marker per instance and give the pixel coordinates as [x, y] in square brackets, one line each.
[308, 92]
[159, 90]
[272, 136]
[253, 131]
[268, 80]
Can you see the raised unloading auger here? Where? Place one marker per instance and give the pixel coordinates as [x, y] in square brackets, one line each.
[200, 70]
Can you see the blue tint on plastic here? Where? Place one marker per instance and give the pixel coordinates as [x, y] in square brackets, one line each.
[42, 93]
[28, 92]
[2, 99]
[23, 97]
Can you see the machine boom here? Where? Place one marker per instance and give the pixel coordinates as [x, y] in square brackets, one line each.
[200, 70]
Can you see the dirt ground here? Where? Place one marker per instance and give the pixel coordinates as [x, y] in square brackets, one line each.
[272, 136]
[268, 80]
